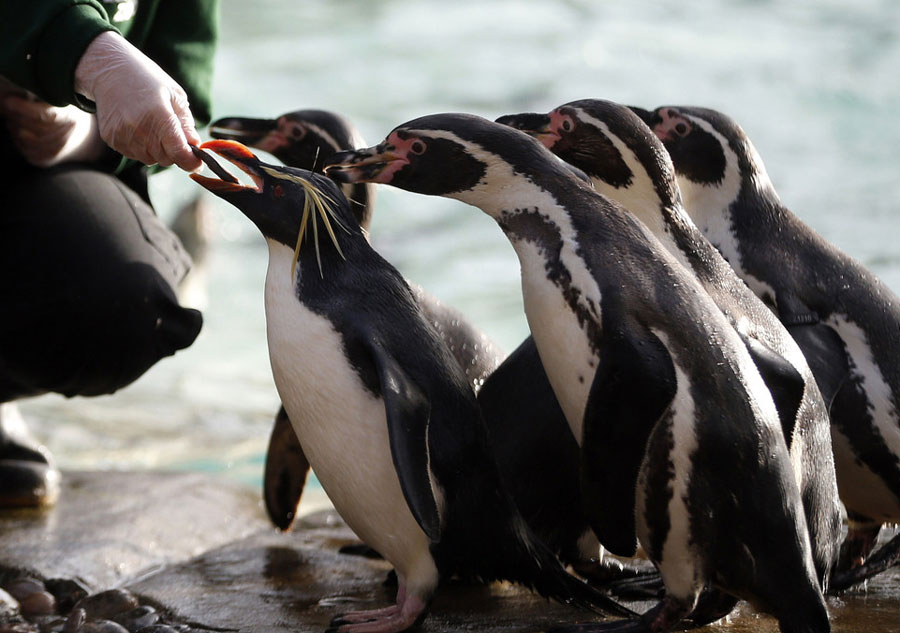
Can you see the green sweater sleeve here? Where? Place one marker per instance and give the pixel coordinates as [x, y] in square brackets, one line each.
[41, 42]
[182, 40]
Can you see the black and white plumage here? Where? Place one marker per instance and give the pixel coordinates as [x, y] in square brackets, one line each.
[629, 164]
[681, 442]
[384, 413]
[841, 315]
[307, 139]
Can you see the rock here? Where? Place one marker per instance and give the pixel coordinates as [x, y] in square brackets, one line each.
[22, 587]
[108, 527]
[66, 591]
[103, 626]
[139, 618]
[75, 621]
[106, 604]
[38, 603]
[9, 606]
[158, 628]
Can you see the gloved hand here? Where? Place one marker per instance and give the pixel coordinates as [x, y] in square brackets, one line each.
[142, 112]
[46, 135]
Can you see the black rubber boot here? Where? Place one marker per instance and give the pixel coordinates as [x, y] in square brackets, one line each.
[28, 476]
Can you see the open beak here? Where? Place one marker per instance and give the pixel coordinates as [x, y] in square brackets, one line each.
[235, 153]
[536, 125]
[247, 131]
[364, 165]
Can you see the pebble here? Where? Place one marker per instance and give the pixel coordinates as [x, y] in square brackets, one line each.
[103, 626]
[139, 618]
[107, 604]
[75, 621]
[38, 603]
[67, 592]
[22, 587]
[8, 605]
[50, 623]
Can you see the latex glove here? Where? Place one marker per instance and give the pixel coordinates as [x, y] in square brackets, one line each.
[46, 135]
[142, 112]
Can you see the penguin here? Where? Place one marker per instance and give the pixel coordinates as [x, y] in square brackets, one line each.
[306, 138]
[384, 413]
[842, 316]
[629, 164]
[682, 448]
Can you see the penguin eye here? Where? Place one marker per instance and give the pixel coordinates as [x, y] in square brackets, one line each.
[298, 131]
[567, 125]
[278, 191]
[682, 129]
[417, 147]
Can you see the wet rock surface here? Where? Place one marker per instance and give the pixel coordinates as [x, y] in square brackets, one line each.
[233, 572]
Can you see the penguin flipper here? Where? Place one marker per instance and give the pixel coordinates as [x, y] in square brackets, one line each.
[285, 472]
[826, 355]
[408, 412]
[823, 348]
[632, 389]
[785, 383]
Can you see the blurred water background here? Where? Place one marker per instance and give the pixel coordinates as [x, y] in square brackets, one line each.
[813, 82]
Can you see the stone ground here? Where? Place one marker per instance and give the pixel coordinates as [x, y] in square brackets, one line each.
[203, 551]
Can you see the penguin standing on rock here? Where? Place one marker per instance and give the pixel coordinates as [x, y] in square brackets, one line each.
[306, 139]
[628, 164]
[681, 442]
[842, 316]
[384, 413]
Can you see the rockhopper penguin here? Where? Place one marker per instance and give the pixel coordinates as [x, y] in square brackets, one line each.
[682, 445]
[384, 413]
[306, 139]
[842, 316]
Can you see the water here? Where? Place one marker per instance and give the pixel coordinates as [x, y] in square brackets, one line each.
[813, 82]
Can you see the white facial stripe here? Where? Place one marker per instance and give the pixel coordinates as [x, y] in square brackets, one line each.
[863, 366]
[640, 196]
[326, 136]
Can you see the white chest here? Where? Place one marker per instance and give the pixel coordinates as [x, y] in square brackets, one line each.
[562, 342]
[341, 426]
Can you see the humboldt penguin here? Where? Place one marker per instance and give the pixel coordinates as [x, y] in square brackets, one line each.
[842, 316]
[628, 164]
[305, 139]
[384, 413]
[682, 448]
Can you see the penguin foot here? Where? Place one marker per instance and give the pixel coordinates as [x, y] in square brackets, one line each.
[29, 477]
[391, 619]
[601, 573]
[886, 557]
[642, 587]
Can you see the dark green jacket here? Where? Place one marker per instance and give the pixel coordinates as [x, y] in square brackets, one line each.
[41, 42]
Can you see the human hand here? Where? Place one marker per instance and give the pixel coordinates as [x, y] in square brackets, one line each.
[142, 112]
[47, 135]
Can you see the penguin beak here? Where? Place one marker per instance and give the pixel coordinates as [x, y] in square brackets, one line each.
[533, 124]
[365, 165]
[235, 153]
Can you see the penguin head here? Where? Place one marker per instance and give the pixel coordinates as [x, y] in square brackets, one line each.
[711, 153]
[611, 144]
[304, 139]
[459, 156]
[279, 200]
